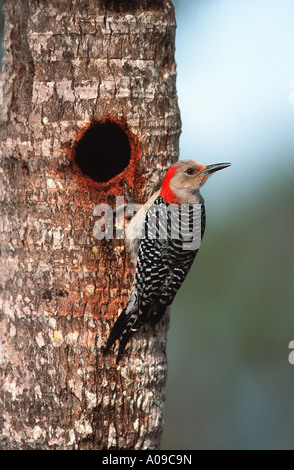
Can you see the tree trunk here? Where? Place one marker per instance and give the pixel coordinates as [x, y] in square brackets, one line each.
[88, 102]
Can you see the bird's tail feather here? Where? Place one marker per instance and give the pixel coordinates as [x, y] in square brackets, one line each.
[124, 326]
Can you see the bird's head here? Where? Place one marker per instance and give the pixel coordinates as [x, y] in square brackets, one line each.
[183, 180]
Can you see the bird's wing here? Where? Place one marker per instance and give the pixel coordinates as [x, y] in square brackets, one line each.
[134, 227]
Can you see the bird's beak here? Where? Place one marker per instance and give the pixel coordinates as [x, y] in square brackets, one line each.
[215, 167]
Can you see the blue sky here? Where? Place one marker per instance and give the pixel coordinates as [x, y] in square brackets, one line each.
[235, 65]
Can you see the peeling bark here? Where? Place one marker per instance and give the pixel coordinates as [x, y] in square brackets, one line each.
[67, 63]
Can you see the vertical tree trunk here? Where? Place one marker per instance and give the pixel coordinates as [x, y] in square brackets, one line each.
[67, 64]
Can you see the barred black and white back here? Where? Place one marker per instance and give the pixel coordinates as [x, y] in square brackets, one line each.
[165, 255]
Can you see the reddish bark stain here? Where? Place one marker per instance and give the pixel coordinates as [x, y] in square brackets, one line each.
[131, 175]
[80, 302]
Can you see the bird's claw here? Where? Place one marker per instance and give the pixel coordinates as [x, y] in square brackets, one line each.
[129, 192]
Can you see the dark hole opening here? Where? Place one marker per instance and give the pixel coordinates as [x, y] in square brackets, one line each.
[103, 151]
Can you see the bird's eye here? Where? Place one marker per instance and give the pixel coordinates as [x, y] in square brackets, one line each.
[190, 171]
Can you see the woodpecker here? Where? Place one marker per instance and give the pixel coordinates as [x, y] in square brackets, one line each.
[162, 259]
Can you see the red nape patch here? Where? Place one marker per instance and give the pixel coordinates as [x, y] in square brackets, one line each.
[166, 192]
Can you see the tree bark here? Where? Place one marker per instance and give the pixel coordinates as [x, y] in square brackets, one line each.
[69, 67]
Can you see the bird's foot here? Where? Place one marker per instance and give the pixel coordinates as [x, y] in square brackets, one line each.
[129, 192]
